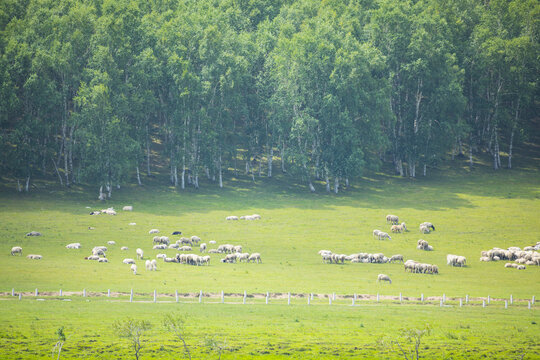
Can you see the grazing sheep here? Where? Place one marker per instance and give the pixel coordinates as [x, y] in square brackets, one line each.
[161, 256]
[376, 233]
[485, 258]
[383, 277]
[93, 257]
[242, 257]
[34, 233]
[111, 242]
[428, 225]
[434, 269]
[127, 208]
[140, 253]
[202, 247]
[237, 248]
[424, 229]
[185, 240]
[461, 261]
[383, 235]
[97, 251]
[154, 264]
[148, 265]
[392, 219]
[195, 239]
[16, 250]
[212, 242]
[131, 224]
[255, 257]
[185, 248]
[97, 212]
[134, 269]
[177, 232]
[73, 246]
[256, 216]
[34, 257]
[395, 258]
[231, 218]
[429, 248]
[159, 247]
[399, 228]
[174, 246]
[103, 260]
[205, 259]
[213, 251]
[124, 248]
[169, 259]
[128, 261]
[109, 211]
[154, 231]
[521, 267]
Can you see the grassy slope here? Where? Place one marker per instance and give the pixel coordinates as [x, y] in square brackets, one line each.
[472, 211]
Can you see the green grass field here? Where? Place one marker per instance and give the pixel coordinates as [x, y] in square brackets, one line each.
[472, 211]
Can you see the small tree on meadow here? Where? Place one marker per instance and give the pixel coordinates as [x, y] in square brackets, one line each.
[132, 330]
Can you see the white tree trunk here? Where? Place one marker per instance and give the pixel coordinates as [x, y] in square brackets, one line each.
[147, 152]
[109, 190]
[196, 182]
[510, 149]
[283, 158]
[425, 169]
[327, 179]
[220, 173]
[336, 185]
[270, 158]
[207, 170]
[184, 170]
[311, 187]
[57, 172]
[138, 176]
[175, 176]
[18, 186]
[347, 182]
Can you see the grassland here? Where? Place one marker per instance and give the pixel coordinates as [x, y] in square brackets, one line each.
[472, 211]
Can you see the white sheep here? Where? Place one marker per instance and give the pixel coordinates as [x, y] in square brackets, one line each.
[124, 248]
[127, 208]
[154, 264]
[185, 248]
[140, 253]
[134, 269]
[231, 218]
[195, 239]
[255, 257]
[213, 251]
[242, 257]
[174, 246]
[16, 250]
[393, 219]
[202, 247]
[111, 242]
[92, 257]
[153, 231]
[376, 233]
[212, 242]
[256, 216]
[161, 256]
[109, 211]
[34, 257]
[394, 258]
[128, 261]
[428, 225]
[148, 265]
[132, 224]
[383, 235]
[103, 260]
[73, 246]
[384, 277]
[205, 259]
[399, 228]
[237, 248]
[160, 247]
[424, 229]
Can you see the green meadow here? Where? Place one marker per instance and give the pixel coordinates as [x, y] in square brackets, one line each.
[471, 210]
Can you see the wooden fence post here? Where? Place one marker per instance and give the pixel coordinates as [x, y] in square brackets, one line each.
[176, 294]
[84, 292]
[489, 300]
[200, 296]
[245, 297]
[506, 304]
[308, 300]
[36, 292]
[533, 300]
[422, 297]
[511, 299]
[131, 296]
[460, 302]
[529, 304]
[222, 297]
[400, 297]
[377, 297]
[267, 295]
[483, 303]
[20, 295]
[289, 298]
[108, 292]
[60, 293]
[354, 299]
[443, 298]
[12, 292]
[155, 295]
[467, 299]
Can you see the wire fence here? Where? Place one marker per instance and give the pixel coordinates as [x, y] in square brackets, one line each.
[274, 298]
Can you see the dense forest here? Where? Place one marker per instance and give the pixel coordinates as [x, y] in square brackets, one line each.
[100, 91]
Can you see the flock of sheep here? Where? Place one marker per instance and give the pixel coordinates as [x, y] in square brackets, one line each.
[99, 253]
[233, 253]
[527, 256]
[379, 258]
